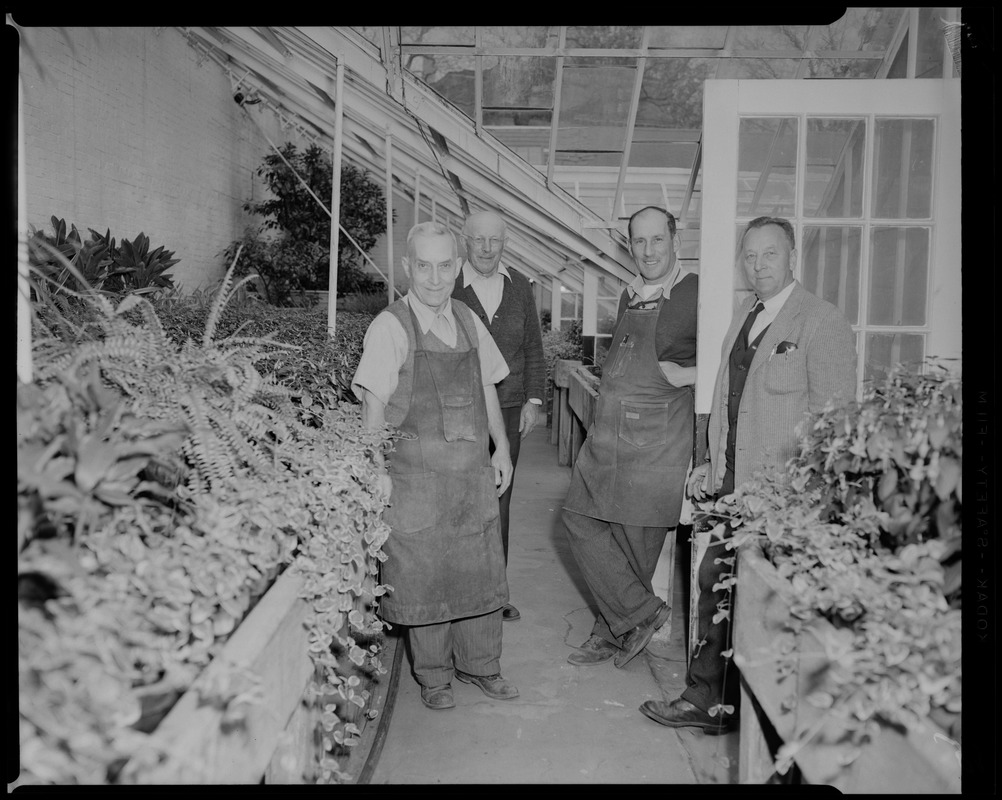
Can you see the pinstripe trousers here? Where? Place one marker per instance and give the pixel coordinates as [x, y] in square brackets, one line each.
[471, 645]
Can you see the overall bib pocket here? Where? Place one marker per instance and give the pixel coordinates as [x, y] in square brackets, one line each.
[457, 417]
[643, 424]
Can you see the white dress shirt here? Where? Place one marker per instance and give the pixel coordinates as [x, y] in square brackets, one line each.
[487, 290]
[648, 291]
[770, 308]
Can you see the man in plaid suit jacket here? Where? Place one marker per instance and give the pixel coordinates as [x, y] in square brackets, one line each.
[787, 353]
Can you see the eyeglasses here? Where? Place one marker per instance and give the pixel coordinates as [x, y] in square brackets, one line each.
[480, 243]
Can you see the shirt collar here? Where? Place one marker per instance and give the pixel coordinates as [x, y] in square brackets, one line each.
[426, 316]
[673, 277]
[774, 303]
[470, 273]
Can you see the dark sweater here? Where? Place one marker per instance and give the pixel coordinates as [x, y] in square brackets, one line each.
[675, 335]
[516, 332]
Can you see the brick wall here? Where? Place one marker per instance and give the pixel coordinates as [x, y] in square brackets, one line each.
[128, 131]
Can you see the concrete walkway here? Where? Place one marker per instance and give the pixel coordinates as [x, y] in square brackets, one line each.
[570, 724]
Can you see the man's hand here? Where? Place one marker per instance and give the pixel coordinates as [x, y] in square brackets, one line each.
[529, 418]
[697, 485]
[501, 462]
[677, 375]
[385, 484]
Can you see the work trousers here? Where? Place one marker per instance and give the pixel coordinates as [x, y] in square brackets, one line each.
[512, 417]
[617, 562]
[712, 678]
[471, 645]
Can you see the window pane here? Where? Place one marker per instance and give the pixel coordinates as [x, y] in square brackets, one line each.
[437, 34]
[531, 143]
[902, 169]
[842, 67]
[703, 36]
[886, 350]
[759, 68]
[606, 319]
[569, 305]
[519, 35]
[671, 94]
[518, 82]
[834, 179]
[594, 107]
[604, 37]
[831, 257]
[767, 165]
[929, 58]
[860, 29]
[899, 274]
[450, 76]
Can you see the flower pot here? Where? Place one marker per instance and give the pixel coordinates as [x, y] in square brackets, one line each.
[923, 760]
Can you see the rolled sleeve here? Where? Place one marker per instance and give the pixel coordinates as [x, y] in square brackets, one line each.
[384, 351]
[493, 367]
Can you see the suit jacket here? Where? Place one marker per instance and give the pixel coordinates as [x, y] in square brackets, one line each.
[516, 331]
[781, 387]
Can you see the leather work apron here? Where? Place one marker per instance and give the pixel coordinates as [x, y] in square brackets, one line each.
[444, 555]
[632, 466]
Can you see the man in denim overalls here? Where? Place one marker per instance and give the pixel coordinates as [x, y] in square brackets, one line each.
[626, 488]
[428, 368]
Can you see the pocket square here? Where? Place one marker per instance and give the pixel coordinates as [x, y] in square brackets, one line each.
[785, 347]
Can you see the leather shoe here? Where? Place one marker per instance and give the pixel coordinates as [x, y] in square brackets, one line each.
[438, 697]
[492, 685]
[681, 713]
[594, 651]
[636, 639]
[509, 613]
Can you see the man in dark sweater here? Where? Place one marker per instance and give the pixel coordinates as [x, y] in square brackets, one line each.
[503, 300]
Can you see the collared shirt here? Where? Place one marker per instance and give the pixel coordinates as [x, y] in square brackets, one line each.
[647, 291]
[488, 290]
[384, 349]
[770, 308]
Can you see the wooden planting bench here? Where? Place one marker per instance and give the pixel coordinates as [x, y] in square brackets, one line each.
[916, 762]
[277, 740]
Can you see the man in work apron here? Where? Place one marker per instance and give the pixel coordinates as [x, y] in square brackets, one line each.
[445, 561]
[627, 484]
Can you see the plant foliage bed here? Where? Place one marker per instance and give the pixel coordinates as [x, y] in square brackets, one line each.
[856, 630]
[165, 479]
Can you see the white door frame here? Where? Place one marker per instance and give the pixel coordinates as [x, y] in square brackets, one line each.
[726, 101]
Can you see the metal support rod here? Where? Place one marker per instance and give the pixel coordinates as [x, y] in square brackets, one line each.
[24, 365]
[389, 215]
[335, 195]
[631, 121]
[417, 196]
[551, 156]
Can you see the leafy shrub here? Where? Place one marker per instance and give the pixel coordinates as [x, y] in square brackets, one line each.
[161, 488]
[283, 267]
[295, 212]
[865, 524]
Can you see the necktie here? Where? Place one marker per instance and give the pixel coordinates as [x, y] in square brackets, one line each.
[749, 321]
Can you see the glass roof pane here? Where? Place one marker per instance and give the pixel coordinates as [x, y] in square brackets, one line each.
[568, 158]
[659, 155]
[671, 95]
[532, 144]
[929, 59]
[869, 29]
[518, 81]
[450, 76]
[594, 106]
[687, 36]
[519, 35]
[770, 37]
[604, 36]
[843, 67]
[371, 32]
[763, 68]
[437, 34]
